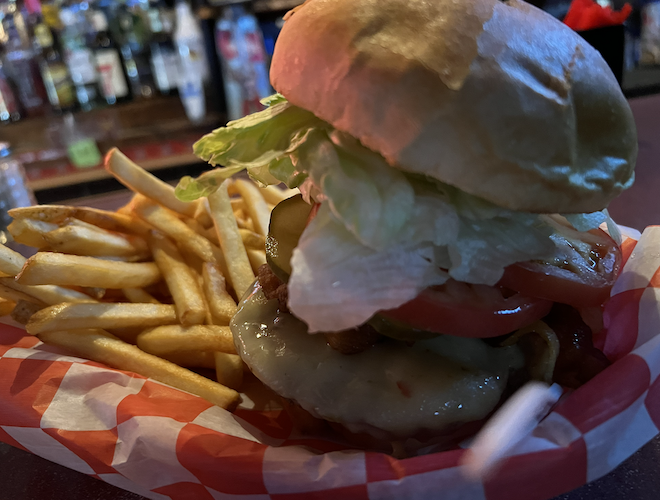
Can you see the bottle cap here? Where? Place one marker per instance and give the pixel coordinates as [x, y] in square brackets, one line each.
[5, 150]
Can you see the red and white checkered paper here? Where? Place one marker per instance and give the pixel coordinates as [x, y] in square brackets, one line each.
[163, 443]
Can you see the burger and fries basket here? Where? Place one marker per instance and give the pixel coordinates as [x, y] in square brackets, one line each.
[163, 443]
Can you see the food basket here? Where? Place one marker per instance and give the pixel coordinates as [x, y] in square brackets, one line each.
[163, 443]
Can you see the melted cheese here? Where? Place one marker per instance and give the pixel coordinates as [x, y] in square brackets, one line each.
[392, 387]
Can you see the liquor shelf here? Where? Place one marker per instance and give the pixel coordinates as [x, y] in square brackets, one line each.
[98, 173]
[154, 132]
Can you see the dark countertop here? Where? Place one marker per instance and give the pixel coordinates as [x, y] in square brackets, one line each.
[28, 477]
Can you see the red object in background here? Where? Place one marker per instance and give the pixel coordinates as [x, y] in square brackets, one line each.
[586, 14]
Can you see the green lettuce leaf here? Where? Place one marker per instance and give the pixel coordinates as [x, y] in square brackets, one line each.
[262, 143]
[273, 99]
[484, 248]
[333, 271]
[585, 222]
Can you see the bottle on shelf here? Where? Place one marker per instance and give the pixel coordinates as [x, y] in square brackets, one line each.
[9, 111]
[243, 61]
[14, 191]
[114, 86]
[193, 67]
[133, 37]
[80, 58]
[21, 65]
[54, 71]
[164, 59]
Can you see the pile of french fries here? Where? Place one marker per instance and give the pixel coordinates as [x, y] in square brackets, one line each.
[150, 288]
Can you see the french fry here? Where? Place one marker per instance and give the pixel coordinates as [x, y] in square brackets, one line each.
[195, 265]
[168, 223]
[16, 295]
[202, 214]
[231, 187]
[181, 281]
[31, 232]
[237, 204]
[239, 271]
[221, 305]
[94, 292]
[273, 194]
[46, 294]
[11, 262]
[252, 239]
[80, 240]
[102, 347]
[192, 359]
[75, 270]
[255, 205]
[143, 182]
[57, 214]
[138, 295]
[167, 339]
[23, 311]
[257, 258]
[243, 221]
[228, 369]
[69, 316]
[209, 233]
[7, 306]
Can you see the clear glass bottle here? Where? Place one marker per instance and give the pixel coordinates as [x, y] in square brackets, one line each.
[14, 189]
[21, 65]
[80, 59]
[193, 67]
[243, 60]
[9, 110]
[54, 71]
[164, 59]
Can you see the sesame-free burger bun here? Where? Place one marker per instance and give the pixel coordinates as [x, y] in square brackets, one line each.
[496, 98]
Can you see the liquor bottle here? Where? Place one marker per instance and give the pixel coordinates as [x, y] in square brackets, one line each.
[193, 68]
[9, 111]
[108, 63]
[80, 59]
[164, 59]
[20, 64]
[54, 71]
[133, 36]
[243, 61]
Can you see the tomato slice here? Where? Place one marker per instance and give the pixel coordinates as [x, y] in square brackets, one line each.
[581, 273]
[465, 310]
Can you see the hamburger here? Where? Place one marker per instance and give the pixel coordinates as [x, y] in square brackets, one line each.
[451, 240]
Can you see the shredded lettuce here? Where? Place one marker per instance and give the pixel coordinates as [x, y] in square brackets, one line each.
[484, 248]
[333, 271]
[613, 228]
[381, 235]
[262, 143]
[586, 222]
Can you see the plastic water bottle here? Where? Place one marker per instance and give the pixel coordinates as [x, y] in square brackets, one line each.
[14, 189]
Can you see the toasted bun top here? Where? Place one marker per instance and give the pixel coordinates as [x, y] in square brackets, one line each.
[498, 99]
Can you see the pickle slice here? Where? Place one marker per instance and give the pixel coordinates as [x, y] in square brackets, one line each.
[287, 222]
